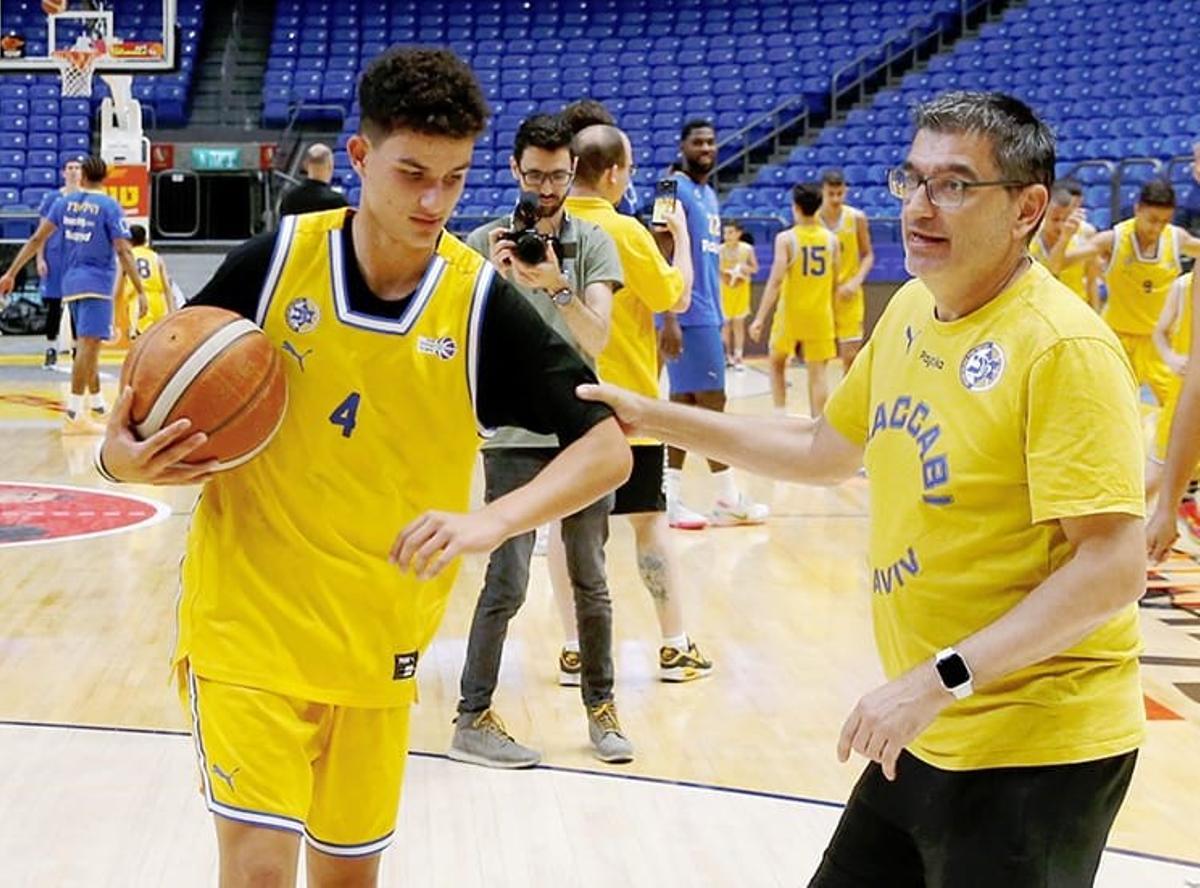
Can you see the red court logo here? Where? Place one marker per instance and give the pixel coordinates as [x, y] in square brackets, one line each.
[48, 513]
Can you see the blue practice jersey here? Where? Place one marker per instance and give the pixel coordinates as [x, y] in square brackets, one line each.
[704, 229]
[52, 251]
[90, 222]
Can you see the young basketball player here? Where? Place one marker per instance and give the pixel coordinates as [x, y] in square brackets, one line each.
[49, 261]
[1006, 547]
[157, 283]
[1062, 242]
[803, 280]
[303, 613]
[1173, 340]
[1182, 450]
[1141, 258]
[95, 236]
[856, 259]
[738, 265]
[605, 164]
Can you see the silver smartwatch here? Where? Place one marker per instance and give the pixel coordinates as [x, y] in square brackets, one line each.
[562, 296]
[954, 672]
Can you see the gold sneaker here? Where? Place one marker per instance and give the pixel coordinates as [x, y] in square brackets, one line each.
[570, 669]
[676, 665]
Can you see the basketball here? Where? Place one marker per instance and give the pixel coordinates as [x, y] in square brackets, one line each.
[218, 370]
[52, 7]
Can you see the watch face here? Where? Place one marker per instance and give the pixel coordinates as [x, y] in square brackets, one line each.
[953, 671]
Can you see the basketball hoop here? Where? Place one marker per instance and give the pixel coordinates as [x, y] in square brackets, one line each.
[76, 67]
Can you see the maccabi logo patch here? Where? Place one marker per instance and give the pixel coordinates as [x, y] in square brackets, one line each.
[982, 367]
[302, 315]
[48, 513]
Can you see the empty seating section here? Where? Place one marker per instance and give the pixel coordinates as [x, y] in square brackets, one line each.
[1112, 86]
[654, 65]
[40, 129]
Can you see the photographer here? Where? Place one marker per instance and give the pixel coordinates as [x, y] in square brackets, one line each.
[568, 269]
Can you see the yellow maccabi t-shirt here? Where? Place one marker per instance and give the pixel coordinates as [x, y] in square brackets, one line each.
[1138, 285]
[1073, 275]
[630, 359]
[980, 434]
[286, 582]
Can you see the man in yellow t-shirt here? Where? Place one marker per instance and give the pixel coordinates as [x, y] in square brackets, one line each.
[604, 164]
[998, 420]
[803, 279]
[317, 572]
[1141, 258]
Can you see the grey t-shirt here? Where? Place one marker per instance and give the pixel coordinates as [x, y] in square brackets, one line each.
[595, 261]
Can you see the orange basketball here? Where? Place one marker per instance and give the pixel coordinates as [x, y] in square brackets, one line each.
[215, 368]
[50, 7]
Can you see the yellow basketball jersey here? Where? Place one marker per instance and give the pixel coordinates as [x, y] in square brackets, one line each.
[1073, 275]
[1137, 284]
[808, 285]
[286, 583]
[1181, 332]
[149, 269]
[846, 231]
[735, 300]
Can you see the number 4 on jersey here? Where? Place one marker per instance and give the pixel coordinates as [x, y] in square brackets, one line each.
[346, 414]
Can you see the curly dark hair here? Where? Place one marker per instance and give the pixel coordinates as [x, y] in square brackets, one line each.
[427, 90]
[93, 169]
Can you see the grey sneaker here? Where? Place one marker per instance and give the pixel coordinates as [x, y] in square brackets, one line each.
[610, 744]
[480, 739]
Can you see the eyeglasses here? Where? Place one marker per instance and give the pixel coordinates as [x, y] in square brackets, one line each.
[536, 178]
[947, 192]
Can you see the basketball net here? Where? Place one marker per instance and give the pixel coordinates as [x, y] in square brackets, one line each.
[77, 65]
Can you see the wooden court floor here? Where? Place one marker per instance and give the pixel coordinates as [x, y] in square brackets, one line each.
[735, 781]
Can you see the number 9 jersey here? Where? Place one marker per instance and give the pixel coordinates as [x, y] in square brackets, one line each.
[286, 583]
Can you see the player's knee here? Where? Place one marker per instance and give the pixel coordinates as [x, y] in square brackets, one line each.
[253, 867]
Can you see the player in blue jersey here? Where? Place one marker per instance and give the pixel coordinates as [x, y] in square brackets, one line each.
[94, 235]
[692, 341]
[49, 261]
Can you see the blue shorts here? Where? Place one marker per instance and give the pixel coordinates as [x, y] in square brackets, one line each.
[701, 367]
[92, 318]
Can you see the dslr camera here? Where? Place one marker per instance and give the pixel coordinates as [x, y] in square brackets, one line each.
[528, 243]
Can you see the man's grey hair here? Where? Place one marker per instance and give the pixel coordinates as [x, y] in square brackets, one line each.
[1023, 146]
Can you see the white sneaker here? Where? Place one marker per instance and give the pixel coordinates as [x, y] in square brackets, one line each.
[743, 511]
[681, 517]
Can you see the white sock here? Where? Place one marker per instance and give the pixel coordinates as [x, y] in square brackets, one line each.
[674, 479]
[571, 645]
[727, 491]
[679, 642]
[96, 401]
[74, 405]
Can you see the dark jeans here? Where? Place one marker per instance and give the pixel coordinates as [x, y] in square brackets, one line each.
[1038, 827]
[584, 535]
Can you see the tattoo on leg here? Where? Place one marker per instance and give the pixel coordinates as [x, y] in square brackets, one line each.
[653, 569]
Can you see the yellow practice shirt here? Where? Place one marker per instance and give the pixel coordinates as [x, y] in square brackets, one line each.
[980, 434]
[652, 285]
[1137, 284]
[286, 583]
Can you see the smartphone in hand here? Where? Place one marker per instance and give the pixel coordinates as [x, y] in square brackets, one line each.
[664, 202]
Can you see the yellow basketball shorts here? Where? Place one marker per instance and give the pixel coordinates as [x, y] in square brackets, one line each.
[848, 318]
[815, 350]
[1148, 365]
[735, 301]
[330, 773]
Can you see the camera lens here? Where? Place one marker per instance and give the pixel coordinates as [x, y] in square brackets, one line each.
[530, 248]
